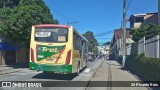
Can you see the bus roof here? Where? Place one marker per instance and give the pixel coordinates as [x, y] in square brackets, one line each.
[52, 25]
[80, 35]
[59, 26]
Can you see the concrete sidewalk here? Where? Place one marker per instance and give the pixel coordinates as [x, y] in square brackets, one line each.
[11, 69]
[112, 71]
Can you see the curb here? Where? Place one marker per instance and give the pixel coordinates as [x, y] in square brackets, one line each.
[96, 69]
[90, 77]
[94, 73]
[1, 73]
[6, 69]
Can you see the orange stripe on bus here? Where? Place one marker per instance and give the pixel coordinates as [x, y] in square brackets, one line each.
[60, 53]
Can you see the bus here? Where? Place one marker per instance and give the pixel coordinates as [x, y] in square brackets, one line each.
[58, 49]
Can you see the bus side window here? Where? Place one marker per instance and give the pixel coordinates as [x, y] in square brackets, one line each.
[75, 41]
[74, 44]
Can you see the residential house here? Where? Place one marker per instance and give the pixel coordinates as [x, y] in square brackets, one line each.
[136, 20]
[117, 42]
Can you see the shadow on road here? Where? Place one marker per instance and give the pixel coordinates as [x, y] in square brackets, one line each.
[54, 76]
[114, 64]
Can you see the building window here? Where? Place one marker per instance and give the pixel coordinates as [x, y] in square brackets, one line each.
[139, 19]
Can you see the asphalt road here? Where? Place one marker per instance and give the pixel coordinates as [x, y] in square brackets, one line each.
[29, 75]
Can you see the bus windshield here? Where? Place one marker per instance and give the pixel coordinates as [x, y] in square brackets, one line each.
[54, 35]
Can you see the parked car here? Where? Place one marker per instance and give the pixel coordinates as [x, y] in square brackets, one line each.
[91, 57]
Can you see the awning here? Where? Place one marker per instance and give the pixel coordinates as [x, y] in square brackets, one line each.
[8, 47]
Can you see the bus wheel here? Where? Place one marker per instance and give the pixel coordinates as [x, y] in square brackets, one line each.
[78, 69]
[86, 64]
[45, 72]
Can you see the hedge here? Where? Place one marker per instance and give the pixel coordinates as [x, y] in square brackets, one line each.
[120, 59]
[147, 68]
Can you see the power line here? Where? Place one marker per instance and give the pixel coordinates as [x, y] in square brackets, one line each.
[129, 4]
[104, 34]
[139, 9]
[103, 38]
[147, 5]
[62, 15]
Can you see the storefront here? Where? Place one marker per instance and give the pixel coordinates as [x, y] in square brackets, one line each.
[8, 54]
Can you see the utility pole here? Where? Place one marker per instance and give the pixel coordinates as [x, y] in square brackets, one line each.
[124, 33]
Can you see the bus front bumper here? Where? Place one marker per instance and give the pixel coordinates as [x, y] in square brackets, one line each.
[51, 68]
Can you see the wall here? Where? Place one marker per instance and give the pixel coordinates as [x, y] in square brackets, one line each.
[150, 18]
[21, 56]
[137, 25]
[150, 47]
[2, 58]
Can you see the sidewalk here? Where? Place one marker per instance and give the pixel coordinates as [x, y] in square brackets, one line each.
[11, 69]
[111, 71]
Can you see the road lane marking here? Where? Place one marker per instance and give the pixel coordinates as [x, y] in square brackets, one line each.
[84, 75]
[87, 70]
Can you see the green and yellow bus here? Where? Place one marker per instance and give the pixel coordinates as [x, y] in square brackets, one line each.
[57, 48]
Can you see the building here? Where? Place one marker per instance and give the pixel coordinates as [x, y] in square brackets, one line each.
[103, 49]
[117, 41]
[11, 55]
[136, 20]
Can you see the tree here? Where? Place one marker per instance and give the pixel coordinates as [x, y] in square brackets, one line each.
[9, 3]
[16, 27]
[147, 31]
[91, 38]
[107, 43]
[95, 50]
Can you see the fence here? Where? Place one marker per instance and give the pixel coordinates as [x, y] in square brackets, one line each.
[150, 47]
[141, 46]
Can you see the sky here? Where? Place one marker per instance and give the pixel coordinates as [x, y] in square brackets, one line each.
[98, 16]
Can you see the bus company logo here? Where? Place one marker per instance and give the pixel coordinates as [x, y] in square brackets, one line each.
[6, 84]
[46, 49]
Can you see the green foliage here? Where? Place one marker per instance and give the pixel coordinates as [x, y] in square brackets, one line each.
[107, 43]
[92, 41]
[95, 50]
[17, 22]
[147, 31]
[4, 13]
[9, 3]
[147, 68]
[119, 60]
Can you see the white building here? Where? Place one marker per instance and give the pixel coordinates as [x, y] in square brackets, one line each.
[103, 49]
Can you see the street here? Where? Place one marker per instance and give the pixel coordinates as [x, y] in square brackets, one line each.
[98, 70]
[29, 75]
[79, 45]
[116, 76]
